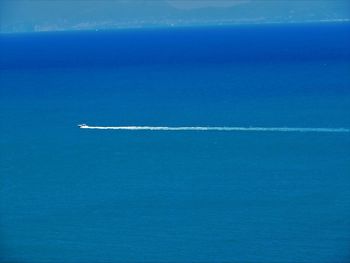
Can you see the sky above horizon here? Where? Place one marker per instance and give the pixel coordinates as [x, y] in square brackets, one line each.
[57, 15]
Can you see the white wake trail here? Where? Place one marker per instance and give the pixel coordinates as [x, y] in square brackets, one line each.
[198, 128]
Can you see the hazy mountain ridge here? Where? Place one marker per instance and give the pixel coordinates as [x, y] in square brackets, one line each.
[29, 16]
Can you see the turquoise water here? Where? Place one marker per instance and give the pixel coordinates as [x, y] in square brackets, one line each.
[75, 195]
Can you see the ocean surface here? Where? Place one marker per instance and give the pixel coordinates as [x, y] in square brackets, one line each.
[80, 195]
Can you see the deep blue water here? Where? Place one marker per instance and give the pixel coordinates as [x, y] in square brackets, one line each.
[73, 195]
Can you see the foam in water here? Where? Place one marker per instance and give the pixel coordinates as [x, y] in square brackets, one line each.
[198, 128]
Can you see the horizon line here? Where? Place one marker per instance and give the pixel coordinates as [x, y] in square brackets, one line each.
[178, 26]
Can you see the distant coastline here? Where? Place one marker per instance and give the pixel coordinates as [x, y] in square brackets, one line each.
[109, 26]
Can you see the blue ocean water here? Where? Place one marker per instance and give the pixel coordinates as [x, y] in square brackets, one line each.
[74, 195]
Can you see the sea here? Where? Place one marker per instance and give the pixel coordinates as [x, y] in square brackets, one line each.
[90, 195]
